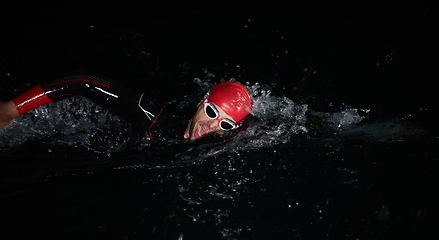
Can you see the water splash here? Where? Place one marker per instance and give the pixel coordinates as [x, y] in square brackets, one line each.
[72, 122]
[344, 118]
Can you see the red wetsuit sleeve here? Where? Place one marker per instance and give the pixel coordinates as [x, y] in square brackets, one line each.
[31, 99]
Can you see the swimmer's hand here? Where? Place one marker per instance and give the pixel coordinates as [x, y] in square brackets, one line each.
[8, 111]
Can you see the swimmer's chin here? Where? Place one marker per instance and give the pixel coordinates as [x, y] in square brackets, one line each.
[195, 133]
[192, 138]
[189, 138]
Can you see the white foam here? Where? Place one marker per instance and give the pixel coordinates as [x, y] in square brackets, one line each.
[75, 121]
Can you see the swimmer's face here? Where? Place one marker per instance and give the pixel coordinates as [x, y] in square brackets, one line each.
[201, 125]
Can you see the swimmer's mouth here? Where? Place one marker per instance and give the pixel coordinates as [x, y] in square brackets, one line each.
[200, 132]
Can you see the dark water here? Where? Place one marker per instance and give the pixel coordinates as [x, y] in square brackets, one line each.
[342, 143]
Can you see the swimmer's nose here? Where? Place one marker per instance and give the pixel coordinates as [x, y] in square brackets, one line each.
[213, 125]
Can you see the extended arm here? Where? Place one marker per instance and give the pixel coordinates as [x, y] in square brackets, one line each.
[131, 105]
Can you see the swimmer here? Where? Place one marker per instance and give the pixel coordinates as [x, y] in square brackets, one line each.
[223, 108]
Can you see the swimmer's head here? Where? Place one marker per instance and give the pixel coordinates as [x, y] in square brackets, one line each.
[224, 107]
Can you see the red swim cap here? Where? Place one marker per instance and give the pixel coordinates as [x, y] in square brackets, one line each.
[232, 98]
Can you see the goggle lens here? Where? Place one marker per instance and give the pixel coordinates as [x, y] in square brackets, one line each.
[210, 112]
[226, 125]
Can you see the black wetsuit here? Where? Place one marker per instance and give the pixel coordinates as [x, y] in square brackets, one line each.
[152, 121]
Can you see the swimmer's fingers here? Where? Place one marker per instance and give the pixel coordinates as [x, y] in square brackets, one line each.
[8, 111]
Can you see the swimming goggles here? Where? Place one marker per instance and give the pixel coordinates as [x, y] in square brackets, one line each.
[212, 113]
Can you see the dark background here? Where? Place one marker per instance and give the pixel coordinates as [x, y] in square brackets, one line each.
[347, 43]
